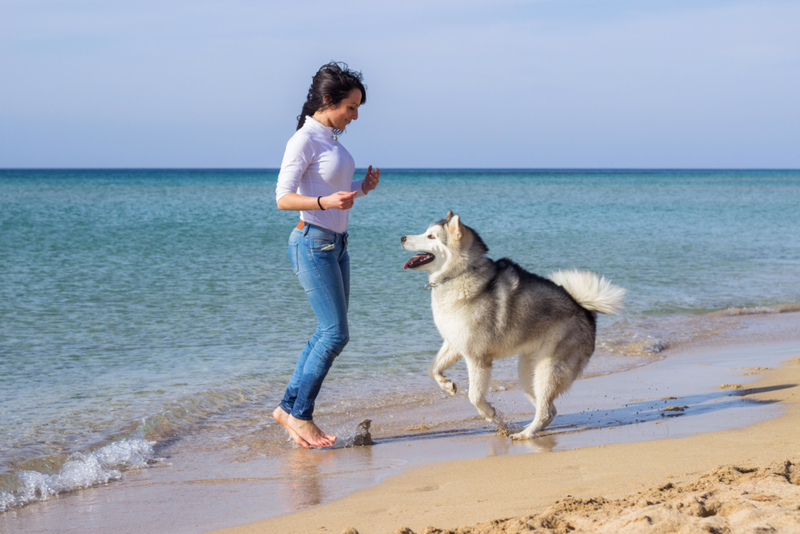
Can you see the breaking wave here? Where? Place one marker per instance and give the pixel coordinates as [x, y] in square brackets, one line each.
[80, 470]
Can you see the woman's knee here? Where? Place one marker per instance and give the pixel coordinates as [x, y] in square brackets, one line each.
[336, 338]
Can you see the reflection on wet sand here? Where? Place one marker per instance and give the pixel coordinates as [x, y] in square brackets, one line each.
[302, 478]
[501, 446]
[311, 477]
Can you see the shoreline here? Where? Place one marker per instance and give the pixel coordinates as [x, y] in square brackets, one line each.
[436, 447]
[468, 492]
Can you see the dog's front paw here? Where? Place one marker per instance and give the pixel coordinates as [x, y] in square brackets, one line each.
[446, 384]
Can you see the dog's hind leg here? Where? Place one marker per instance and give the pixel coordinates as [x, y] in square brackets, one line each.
[525, 368]
[554, 373]
[445, 359]
[479, 376]
[548, 383]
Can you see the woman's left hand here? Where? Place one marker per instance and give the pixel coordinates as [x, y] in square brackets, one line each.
[371, 180]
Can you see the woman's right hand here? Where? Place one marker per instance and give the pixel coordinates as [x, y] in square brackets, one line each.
[343, 200]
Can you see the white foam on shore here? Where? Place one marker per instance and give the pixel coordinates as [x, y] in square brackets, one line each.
[81, 470]
[758, 310]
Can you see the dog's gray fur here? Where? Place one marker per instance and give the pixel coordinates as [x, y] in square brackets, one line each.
[487, 309]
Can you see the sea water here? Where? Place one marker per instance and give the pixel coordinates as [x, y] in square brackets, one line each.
[139, 308]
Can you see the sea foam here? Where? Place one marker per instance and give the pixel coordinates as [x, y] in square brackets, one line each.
[81, 470]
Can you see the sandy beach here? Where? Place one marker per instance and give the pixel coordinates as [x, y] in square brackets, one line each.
[736, 480]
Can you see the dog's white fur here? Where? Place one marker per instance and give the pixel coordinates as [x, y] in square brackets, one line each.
[486, 310]
[593, 292]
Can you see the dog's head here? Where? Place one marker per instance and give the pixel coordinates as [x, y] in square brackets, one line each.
[443, 243]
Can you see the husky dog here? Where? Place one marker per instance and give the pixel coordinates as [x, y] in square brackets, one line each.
[487, 309]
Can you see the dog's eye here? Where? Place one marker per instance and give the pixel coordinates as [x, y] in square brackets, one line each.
[431, 237]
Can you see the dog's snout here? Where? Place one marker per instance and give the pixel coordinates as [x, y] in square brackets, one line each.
[403, 239]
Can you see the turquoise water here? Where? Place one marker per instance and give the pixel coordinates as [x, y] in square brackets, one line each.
[138, 307]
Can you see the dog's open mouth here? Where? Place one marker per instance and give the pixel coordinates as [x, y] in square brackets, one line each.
[419, 259]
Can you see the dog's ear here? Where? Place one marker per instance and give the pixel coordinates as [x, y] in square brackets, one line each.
[455, 227]
[449, 215]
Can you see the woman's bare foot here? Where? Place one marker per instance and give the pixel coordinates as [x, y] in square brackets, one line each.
[283, 418]
[304, 433]
[309, 432]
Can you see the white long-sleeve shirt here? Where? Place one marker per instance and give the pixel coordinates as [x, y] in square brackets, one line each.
[316, 164]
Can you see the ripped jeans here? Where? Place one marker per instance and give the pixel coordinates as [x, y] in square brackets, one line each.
[320, 260]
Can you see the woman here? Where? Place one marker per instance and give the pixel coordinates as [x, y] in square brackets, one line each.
[316, 179]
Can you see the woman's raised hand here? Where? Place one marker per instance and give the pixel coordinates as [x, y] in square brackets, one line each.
[371, 180]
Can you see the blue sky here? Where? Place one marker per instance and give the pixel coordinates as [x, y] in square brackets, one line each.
[461, 83]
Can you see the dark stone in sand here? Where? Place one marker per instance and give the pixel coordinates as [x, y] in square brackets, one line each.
[363, 437]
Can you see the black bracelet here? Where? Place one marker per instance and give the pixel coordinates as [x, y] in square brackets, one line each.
[320, 204]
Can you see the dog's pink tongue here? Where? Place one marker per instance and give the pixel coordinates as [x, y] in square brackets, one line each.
[414, 260]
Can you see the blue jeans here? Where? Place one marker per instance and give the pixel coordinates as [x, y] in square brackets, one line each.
[320, 260]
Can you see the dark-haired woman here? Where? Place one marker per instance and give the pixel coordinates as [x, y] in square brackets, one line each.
[316, 179]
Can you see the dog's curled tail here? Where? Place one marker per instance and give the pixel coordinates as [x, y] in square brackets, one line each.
[593, 292]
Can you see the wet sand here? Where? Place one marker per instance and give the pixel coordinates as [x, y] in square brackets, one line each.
[729, 399]
[643, 468]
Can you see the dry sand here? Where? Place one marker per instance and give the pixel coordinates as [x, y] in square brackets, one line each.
[731, 481]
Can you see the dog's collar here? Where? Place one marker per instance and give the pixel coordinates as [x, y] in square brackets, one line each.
[431, 285]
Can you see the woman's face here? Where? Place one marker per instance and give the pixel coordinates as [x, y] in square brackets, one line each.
[339, 116]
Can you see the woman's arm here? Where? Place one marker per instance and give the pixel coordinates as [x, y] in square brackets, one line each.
[343, 200]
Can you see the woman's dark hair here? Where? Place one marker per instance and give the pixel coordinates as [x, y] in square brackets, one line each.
[335, 80]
